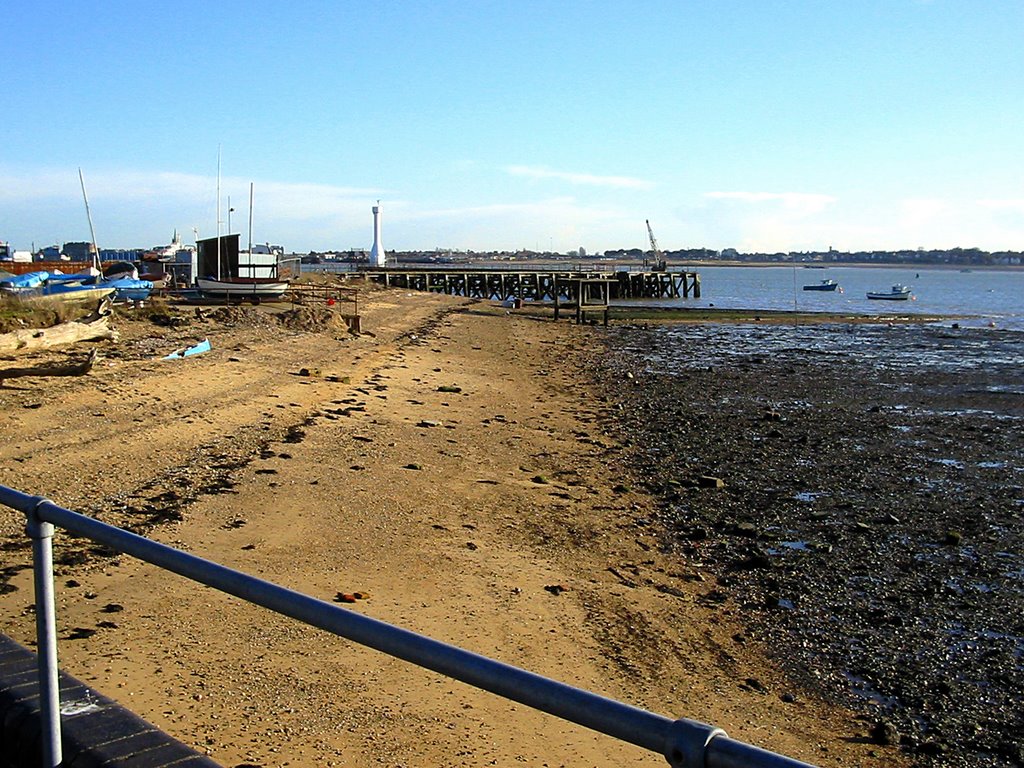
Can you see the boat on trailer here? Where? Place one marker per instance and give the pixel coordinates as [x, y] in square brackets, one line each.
[228, 283]
[252, 289]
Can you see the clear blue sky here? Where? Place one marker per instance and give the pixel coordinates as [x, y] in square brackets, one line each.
[501, 125]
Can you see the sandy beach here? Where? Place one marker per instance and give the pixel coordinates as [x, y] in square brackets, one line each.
[454, 463]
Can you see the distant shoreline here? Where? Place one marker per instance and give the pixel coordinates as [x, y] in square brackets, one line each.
[858, 264]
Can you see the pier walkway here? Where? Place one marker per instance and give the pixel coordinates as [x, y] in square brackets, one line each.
[536, 284]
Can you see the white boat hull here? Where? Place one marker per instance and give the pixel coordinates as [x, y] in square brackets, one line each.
[243, 288]
[889, 296]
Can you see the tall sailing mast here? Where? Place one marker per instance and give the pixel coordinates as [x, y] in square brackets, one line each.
[92, 230]
[218, 211]
[250, 222]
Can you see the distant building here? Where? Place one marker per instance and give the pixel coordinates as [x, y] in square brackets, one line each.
[121, 254]
[78, 251]
[268, 249]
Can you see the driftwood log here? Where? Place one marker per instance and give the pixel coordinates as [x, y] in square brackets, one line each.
[94, 327]
[76, 369]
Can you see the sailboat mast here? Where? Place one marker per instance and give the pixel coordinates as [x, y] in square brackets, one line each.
[92, 230]
[250, 222]
[218, 211]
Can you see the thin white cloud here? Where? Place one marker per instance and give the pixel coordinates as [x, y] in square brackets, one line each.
[802, 203]
[550, 207]
[1010, 204]
[133, 208]
[557, 222]
[167, 188]
[589, 179]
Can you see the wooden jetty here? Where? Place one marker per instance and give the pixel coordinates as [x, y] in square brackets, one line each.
[537, 284]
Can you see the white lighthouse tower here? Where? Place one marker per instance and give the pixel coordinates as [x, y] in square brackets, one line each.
[377, 254]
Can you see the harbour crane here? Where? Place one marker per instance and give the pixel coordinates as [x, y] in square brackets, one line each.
[660, 264]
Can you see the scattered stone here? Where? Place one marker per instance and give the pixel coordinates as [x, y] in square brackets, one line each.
[471, 546]
[953, 538]
[555, 589]
[746, 530]
[884, 732]
[755, 558]
[707, 481]
[668, 589]
[755, 685]
[413, 466]
[449, 388]
[112, 608]
[309, 372]
[932, 748]
[620, 488]
[540, 480]
[428, 423]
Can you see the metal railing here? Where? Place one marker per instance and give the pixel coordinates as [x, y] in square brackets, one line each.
[684, 743]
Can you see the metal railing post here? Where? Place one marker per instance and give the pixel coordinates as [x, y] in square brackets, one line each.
[41, 533]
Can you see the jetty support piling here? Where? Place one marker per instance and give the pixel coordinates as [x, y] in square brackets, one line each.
[587, 296]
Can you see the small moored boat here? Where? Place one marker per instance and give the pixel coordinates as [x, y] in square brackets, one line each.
[824, 285]
[897, 293]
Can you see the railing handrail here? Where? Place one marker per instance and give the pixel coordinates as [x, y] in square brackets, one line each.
[684, 743]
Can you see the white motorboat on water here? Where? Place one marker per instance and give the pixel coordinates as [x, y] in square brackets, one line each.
[897, 293]
[824, 285]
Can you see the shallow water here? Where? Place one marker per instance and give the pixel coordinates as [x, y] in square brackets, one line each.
[983, 296]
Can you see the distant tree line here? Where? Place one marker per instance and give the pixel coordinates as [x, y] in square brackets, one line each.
[965, 256]
[955, 256]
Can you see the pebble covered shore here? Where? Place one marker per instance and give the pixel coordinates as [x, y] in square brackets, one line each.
[857, 492]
